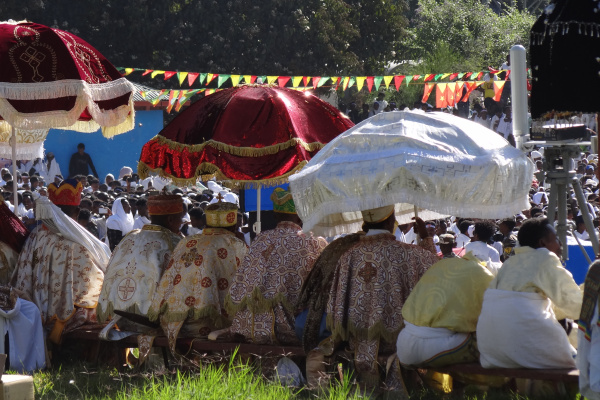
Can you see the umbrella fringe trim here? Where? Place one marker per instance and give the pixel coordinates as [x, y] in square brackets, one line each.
[66, 88]
[239, 151]
[212, 171]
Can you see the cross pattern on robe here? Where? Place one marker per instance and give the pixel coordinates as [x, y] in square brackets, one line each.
[370, 215]
[126, 290]
[34, 58]
[220, 198]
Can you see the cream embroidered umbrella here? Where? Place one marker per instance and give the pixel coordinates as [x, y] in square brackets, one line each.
[442, 164]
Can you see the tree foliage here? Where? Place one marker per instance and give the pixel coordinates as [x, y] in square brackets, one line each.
[278, 37]
[471, 29]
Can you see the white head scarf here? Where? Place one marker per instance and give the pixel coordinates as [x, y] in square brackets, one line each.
[111, 176]
[58, 222]
[125, 171]
[120, 220]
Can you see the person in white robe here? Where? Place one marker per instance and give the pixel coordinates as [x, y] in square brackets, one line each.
[142, 218]
[482, 233]
[120, 223]
[518, 326]
[588, 337]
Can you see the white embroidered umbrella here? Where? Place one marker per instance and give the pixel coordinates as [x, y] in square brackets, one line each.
[436, 162]
[29, 146]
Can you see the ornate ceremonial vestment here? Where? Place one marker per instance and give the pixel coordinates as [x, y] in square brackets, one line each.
[267, 286]
[371, 283]
[195, 283]
[8, 260]
[134, 270]
[59, 274]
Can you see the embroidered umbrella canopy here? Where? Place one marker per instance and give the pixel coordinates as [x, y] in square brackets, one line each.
[53, 79]
[253, 135]
[437, 162]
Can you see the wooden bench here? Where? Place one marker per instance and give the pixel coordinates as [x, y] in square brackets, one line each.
[557, 375]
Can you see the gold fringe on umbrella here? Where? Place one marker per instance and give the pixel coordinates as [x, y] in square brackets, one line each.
[208, 171]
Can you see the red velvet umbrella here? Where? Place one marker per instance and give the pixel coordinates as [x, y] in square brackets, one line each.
[254, 135]
[52, 79]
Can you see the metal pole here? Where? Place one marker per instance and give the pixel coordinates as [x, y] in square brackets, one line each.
[585, 213]
[13, 144]
[257, 224]
[518, 86]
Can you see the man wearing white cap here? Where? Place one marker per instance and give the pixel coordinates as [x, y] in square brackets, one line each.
[371, 283]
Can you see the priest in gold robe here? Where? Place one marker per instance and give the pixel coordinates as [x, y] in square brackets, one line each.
[61, 266]
[138, 262]
[266, 289]
[370, 285]
[190, 297]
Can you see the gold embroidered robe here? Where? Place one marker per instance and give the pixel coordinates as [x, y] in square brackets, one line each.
[134, 270]
[371, 283]
[195, 283]
[267, 286]
[8, 260]
[58, 275]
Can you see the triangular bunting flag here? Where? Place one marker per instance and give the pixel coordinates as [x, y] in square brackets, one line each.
[467, 75]
[416, 77]
[498, 86]
[316, 80]
[261, 79]
[202, 78]
[209, 92]
[146, 72]
[360, 81]
[296, 81]
[387, 80]
[305, 81]
[181, 77]
[479, 76]
[451, 94]
[282, 80]
[408, 79]
[378, 80]
[271, 79]
[169, 74]
[178, 102]
[335, 80]
[192, 76]
[437, 77]
[370, 82]
[173, 95]
[352, 82]
[440, 95]
[428, 78]
[222, 79]
[345, 84]
[143, 94]
[155, 72]
[247, 79]
[427, 91]
[453, 76]
[235, 80]
[444, 76]
[460, 76]
[323, 80]
[210, 77]
[398, 81]
[128, 71]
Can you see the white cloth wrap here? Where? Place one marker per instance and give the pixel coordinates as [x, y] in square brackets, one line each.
[441, 163]
[417, 344]
[120, 220]
[519, 330]
[588, 361]
[58, 222]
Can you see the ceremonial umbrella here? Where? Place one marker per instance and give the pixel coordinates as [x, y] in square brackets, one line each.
[53, 79]
[442, 164]
[251, 135]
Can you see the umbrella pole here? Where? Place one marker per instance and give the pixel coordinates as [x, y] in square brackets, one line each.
[13, 144]
[257, 224]
[416, 212]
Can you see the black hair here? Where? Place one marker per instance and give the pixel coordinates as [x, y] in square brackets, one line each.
[141, 202]
[196, 212]
[81, 146]
[532, 231]
[510, 223]
[484, 230]
[464, 226]
[84, 214]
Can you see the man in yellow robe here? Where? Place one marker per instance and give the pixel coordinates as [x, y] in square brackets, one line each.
[518, 326]
[266, 288]
[440, 314]
[370, 285]
[191, 294]
[61, 266]
[138, 262]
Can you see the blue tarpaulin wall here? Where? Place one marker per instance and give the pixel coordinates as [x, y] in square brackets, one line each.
[108, 155]
[265, 199]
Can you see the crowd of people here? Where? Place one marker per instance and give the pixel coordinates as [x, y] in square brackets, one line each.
[126, 250]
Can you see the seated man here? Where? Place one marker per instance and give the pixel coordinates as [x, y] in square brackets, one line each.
[370, 285]
[197, 279]
[266, 288]
[482, 233]
[61, 266]
[13, 234]
[440, 314]
[139, 260]
[518, 325]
